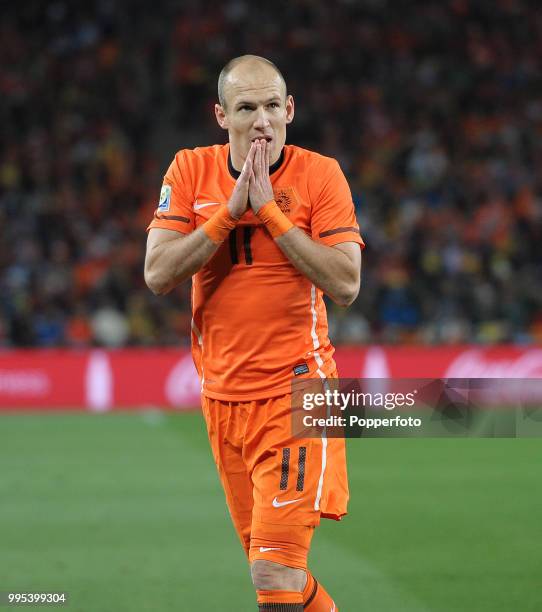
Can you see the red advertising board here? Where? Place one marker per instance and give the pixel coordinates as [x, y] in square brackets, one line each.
[143, 378]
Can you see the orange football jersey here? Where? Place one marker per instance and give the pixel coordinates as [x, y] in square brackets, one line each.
[257, 321]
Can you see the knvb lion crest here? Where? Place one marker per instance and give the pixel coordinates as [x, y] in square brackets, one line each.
[284, 197]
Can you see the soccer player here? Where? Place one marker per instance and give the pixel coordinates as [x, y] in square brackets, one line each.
[263, 228]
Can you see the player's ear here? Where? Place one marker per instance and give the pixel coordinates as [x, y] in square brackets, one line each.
[289, 109]
[221, 117]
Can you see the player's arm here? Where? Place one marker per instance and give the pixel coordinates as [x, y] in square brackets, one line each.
[334, 269]
[172, 257]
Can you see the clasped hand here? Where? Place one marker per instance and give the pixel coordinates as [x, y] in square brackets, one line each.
[254, 181]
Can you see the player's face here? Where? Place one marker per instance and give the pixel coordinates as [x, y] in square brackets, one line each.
[256, 107]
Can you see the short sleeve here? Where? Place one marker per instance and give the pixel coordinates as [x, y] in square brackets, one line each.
[333, 217]
[175, 206]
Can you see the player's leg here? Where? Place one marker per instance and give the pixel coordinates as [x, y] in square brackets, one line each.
[294, 586]
[287, 576]
[225, 435]
[282, 579]
[291, 493]
[316, 598]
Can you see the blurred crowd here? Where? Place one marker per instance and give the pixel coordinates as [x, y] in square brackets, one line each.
[433, 109]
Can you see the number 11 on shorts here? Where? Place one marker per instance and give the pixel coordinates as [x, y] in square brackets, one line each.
[285, 471]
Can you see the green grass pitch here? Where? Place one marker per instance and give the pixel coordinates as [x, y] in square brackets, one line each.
[126, 514]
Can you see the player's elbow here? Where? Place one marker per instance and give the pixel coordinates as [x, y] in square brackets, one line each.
[156, 281]
[346, 294]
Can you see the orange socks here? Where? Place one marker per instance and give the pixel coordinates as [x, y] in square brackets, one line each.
[313, 599]
[280, 601]
[316, 598]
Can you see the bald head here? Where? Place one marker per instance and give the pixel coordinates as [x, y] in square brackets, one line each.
[253, 105]
[237, 68]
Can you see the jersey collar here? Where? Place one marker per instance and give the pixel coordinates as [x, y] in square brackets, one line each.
[272, 168]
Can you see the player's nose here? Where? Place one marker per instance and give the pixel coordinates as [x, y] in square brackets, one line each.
[262, 120]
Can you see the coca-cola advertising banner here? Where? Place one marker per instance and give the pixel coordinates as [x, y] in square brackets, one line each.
[102, 380]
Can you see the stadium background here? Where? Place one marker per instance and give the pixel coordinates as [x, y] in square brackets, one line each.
[434, 111]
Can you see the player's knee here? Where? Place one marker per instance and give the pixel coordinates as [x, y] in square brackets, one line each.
[285, 545]
[270, 576]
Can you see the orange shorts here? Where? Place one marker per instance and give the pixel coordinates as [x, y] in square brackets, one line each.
[277, 487]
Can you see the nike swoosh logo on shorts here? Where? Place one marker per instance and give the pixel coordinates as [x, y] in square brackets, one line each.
[204, 204]
[264, 549]
[277, 504]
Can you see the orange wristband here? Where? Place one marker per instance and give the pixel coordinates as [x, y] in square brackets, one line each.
[219, 225]
[275, 220]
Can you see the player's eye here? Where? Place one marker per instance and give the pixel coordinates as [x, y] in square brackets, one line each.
[245, 107]
[274, 105]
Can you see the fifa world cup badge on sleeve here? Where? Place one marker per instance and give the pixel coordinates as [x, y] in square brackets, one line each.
[165, 197]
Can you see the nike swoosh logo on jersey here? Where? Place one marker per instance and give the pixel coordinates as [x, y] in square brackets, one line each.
[264, 549]
[277, 504]
[204, 204]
